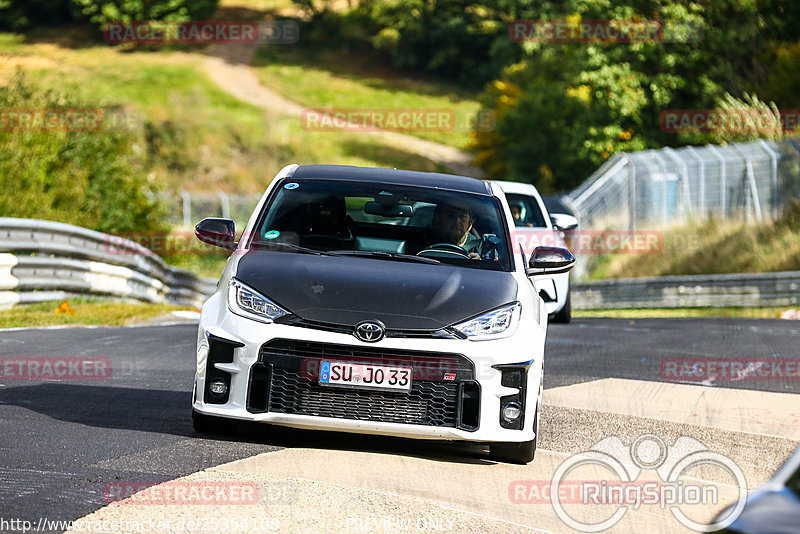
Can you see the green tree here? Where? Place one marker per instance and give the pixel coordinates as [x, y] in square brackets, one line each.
[578, 103]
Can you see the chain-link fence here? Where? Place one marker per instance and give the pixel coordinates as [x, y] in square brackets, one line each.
[187, 209]
[667, 187]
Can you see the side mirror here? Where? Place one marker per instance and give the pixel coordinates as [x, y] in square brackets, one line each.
[550, 260]
[217, 232]
[562, 221]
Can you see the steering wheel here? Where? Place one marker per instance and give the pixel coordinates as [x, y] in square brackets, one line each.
[443, 250]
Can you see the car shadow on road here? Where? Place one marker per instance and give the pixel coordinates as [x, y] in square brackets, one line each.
[168, 412]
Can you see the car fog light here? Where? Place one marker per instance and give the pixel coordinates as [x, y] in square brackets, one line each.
[511, 411]
[218, 387]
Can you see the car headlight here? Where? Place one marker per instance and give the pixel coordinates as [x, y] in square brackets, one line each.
[247, 302]
[501, 322]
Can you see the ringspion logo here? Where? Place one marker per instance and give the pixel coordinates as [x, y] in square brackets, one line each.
[614, 482]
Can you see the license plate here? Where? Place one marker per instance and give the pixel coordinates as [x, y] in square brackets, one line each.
[365, 376]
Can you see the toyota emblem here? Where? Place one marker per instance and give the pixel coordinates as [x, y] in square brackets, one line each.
[370, 331]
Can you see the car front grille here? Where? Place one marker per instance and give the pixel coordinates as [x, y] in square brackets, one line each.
[285, 380]
[427, 403]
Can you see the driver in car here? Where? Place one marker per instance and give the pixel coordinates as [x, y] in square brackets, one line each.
[452, 224]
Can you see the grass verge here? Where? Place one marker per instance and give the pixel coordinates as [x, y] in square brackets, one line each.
[664, 313]
[84, 312]
[323, 77]
[714, 247]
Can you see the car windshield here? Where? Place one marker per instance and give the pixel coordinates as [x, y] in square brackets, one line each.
[525, 211]
[386, 222]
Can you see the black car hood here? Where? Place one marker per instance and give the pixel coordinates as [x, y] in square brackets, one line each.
[346, 290]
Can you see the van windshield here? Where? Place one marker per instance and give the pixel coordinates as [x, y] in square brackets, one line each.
[394, 222]
[525, 211]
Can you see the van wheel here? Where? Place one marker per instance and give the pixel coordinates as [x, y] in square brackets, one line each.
[208, 424]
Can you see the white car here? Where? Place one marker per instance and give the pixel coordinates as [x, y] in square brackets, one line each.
[343, 307]
[536, 227]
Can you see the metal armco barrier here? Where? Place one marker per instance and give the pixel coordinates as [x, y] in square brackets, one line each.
[695, 291]
[45, 260]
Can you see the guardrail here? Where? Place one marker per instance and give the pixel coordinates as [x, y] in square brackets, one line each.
[46, 260]
[694, 291]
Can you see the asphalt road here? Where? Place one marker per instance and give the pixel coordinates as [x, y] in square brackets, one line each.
[63, 441]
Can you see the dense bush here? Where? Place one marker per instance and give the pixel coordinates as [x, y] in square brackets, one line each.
[23, 14]
[26, 14]
[102, 11]
[93, 179]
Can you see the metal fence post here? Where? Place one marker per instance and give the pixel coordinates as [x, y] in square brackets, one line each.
[723, 179]
[631, 193]
[702, 175]
[795, 146]
[225, 202]
[684, 186]
[750, 181]
[187, 209]
[773, 156]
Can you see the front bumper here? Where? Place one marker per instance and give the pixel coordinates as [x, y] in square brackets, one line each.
[270, 371]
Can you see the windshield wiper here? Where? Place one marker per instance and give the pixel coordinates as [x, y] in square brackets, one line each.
[296, 248]
[386, 256]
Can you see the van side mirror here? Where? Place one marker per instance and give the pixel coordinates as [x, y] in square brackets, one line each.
[562, 221]
[550, 260]
[218, 232]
